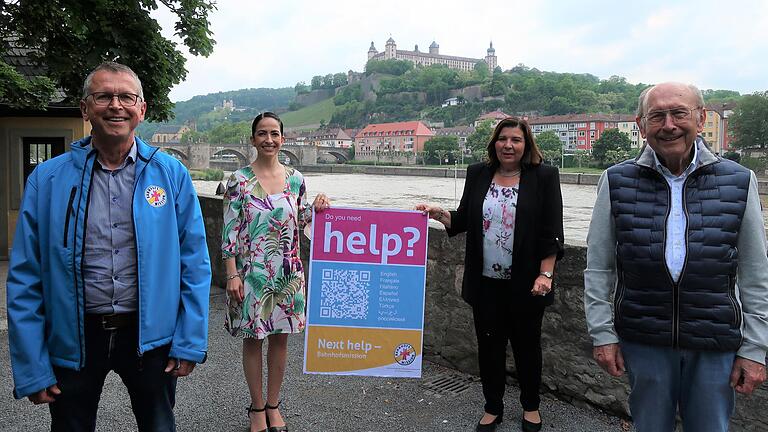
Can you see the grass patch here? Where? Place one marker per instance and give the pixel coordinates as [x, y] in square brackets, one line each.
[582, 170]
[372, 163]
[310, 115]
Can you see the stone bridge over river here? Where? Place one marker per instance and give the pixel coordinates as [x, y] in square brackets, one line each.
[230, 157]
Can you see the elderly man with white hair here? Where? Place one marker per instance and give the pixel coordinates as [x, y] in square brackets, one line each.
[676, 284]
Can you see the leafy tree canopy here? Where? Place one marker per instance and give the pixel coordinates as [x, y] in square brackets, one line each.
[71, 37]
[749, 122]
[549, 140]
[330, 81]
[478, 140]
[391, 66]
[611, 140]
[551, 147]
[301, 87]
[441, 147]
[229, 133]
[720, 96]
[21, 92]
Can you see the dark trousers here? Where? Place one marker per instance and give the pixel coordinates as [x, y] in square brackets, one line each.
[501, 317]
[152, 391]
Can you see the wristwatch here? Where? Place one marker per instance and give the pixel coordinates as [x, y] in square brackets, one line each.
[546, 274]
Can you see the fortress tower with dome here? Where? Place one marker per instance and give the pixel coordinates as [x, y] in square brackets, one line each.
[432, 57]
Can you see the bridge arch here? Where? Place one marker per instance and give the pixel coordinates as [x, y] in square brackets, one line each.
[291, 156]
[178, 154]
[341, 156]
[241, 158]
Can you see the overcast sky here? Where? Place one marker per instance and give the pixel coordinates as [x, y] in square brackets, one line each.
[263, 43]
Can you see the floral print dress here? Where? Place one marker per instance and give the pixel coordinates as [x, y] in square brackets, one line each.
[261, 231]
[499, 211]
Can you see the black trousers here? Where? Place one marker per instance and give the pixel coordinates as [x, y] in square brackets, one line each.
[501, 317]
[152, 391]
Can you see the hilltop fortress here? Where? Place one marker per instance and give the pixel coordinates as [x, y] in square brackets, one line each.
[432, 57]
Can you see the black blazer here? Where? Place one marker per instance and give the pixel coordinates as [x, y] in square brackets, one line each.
[538, 227]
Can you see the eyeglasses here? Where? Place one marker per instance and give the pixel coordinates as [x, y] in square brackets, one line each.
[678, 115]
[104, 99]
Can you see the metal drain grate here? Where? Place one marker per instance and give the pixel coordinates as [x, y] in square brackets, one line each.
[448, 384]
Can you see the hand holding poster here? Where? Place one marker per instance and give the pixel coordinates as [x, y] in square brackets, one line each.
[366, 293]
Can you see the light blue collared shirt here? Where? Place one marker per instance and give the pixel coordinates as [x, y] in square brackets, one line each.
[675, 245]
[109, 267]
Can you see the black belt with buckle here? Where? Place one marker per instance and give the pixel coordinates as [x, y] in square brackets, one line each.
[112, 321]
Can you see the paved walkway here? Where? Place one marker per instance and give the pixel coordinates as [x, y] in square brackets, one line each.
[214, 397]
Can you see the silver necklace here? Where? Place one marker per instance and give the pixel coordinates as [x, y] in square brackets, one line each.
[514, 173]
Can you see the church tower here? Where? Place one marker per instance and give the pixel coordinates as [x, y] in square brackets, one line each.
[390, 50]
[491, 59]
[372, 51]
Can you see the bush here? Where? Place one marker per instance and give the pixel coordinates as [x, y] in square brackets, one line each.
[207, 174]
[758, 165]
[732, 155]
[295, 106]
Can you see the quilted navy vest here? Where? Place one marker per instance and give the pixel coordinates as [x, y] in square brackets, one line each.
[700, 311]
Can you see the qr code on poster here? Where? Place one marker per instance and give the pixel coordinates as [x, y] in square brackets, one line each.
[344, 294]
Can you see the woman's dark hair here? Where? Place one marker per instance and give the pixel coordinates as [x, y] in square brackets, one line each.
[261, 117]
[531, 155]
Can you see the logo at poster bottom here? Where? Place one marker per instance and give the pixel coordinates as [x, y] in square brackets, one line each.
[405, 354]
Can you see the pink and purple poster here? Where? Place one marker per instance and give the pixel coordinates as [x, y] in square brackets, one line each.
[366, 293]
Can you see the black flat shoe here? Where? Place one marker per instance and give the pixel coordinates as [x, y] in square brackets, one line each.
[490, 427]
[530, 426]
[283, 428]
[251, 409]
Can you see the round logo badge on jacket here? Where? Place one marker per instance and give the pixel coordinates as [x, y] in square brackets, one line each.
[155, 196]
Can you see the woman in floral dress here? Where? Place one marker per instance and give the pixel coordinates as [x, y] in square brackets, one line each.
[264, 208]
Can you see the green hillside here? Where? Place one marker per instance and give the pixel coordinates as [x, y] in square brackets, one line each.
[310, 115]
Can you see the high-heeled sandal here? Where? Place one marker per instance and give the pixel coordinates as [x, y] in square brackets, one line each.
[251, 409]
[283, 428]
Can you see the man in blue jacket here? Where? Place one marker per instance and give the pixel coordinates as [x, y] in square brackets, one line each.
[109, 269]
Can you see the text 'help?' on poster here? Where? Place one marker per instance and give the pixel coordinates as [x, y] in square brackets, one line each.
[366, 293]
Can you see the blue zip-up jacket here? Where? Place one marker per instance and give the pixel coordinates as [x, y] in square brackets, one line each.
[45, 279]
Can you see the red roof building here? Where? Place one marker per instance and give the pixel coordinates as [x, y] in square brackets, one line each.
[402, 136]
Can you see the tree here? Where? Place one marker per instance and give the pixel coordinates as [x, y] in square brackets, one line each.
[317, 82]
[392, 66]
[340, 79]
[581, 157]
[301, 87]
[230, 133]
[193, 137]
[550, 145]
[24, 93]
[480, 70]
[440, 147]
[749, 122]
[328, 81]
[70, 38]
[477, 141]
[610, 139]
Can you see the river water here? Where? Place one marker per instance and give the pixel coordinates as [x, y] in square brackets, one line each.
[403, 192]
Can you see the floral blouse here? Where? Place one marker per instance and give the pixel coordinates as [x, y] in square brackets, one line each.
[499, 210]
[261, 231]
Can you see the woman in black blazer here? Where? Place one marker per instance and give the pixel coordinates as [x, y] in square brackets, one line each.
[512, 212]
